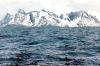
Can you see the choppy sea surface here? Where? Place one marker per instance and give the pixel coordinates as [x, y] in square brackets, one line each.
[49, 46]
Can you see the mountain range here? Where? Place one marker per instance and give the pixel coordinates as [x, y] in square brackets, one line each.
[46, 18]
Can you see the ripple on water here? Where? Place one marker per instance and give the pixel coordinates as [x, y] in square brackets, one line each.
[47, 46]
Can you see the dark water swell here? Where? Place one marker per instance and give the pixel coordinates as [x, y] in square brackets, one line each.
[49, 46]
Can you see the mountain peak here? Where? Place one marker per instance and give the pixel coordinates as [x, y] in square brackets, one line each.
[43, 10]
[8, 15]
[79, 14]
[21, 11]
[83, 14]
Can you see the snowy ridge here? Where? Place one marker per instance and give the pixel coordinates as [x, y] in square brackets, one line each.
[45, 18]
[82, 18]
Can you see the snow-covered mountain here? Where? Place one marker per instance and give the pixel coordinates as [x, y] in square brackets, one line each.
[45, 18]
[82, 18]
[35, 18]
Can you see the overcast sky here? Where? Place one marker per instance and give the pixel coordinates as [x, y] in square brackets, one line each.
[57, 6]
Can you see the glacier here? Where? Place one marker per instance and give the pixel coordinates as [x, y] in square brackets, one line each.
[47, 18]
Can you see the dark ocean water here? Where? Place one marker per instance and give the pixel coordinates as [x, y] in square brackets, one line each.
[49, 46]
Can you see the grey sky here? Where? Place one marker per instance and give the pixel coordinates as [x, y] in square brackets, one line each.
[57, 6]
